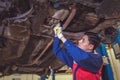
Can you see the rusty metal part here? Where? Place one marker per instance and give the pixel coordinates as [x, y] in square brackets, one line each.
[71, 16]
[36, 61]
[39, 56]
[58, 16]
[105, 24]
[24, 15]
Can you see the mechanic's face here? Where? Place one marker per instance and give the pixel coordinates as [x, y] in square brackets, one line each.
[84, 44]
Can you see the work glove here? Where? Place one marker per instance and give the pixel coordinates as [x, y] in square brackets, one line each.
[58, 31]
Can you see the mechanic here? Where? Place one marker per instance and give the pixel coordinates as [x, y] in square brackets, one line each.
[85, 62]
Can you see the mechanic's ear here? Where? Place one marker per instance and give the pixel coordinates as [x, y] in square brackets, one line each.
[91, 46]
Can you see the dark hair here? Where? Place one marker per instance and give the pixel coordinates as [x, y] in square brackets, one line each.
[93, 39]
[110, 30]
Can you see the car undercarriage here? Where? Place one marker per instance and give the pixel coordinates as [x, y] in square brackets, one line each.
[26, 30]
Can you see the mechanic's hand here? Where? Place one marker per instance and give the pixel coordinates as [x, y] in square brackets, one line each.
[58, 31]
